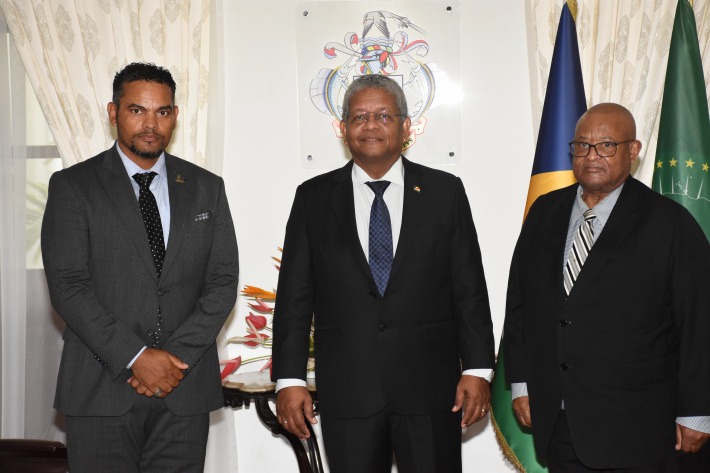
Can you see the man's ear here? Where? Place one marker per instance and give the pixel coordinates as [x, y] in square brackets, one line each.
[634, 150]
[112, 109]
[343, 129]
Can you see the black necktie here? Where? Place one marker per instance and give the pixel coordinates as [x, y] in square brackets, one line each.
[380, 238]
[151, 219]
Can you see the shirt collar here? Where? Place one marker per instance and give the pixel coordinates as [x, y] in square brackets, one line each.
[395, 174]
[132, 168]
[602, 210]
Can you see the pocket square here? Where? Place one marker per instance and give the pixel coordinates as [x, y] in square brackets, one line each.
[203, 216]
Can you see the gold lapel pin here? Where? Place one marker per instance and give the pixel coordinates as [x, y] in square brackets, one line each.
[179, 179]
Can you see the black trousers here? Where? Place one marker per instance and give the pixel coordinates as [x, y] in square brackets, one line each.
[421, 444]
[562, 459]
[149, 438]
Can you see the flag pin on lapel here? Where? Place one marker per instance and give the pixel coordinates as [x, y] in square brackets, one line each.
[179, 179]
[417, 189]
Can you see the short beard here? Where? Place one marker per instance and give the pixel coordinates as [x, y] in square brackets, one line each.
[145, 154]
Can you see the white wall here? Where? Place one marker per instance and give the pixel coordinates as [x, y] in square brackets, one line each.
[262, 169]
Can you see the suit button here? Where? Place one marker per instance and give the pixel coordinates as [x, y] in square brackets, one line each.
[160, 292]
[383, 328]
[373, 295]
[150, 333]
[564, 366]
[564, 323]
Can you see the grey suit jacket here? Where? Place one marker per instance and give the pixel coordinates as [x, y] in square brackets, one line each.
[102, 282]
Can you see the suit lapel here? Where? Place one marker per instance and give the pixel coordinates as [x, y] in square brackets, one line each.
[622, 220]
[179, 190]
[412, 205]
[118, 187]
[343, 204]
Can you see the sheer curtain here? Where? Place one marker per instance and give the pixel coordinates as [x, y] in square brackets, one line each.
[623, 47]
[72, 49]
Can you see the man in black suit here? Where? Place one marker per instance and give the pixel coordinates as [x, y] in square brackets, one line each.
[399, 310]
[608, 315]
[141, 261]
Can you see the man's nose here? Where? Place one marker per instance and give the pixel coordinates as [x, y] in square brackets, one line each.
[371, 121]
[150, 121]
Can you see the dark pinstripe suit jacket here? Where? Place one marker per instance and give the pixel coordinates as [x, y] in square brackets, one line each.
[102, 282]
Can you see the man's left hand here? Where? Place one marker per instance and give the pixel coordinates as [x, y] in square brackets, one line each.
[473, 394]
[689, 440]
[140, 389]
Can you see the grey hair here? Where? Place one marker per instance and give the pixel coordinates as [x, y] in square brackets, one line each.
[376, 81]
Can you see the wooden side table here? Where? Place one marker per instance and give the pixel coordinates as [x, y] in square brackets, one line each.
[242, 388]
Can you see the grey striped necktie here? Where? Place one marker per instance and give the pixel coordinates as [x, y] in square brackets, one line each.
[582, 244]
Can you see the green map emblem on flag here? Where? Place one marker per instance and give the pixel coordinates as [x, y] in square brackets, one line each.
[682, 166]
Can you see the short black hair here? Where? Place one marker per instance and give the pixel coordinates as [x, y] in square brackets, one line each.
[141, 71]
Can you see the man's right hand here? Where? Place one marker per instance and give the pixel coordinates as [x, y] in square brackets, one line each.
[156, 370]
[521, 406]
[292, 404]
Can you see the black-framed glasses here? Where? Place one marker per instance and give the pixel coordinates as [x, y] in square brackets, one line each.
[604, 149]
[381, 117]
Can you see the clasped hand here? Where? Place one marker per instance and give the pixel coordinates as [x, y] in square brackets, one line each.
[156, 371]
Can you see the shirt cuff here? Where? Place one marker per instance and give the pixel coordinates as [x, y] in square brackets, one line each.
[518, 390]
[135, 358]
[288, 382]
[484, 373]
[699, 423]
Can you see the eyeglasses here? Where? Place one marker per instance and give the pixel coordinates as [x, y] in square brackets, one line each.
[605, 149]
[362, 118]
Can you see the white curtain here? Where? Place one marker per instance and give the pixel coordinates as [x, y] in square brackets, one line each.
[71, 50]
[623, 48]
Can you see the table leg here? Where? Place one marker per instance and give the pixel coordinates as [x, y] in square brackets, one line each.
[267, 417]
[314, 451]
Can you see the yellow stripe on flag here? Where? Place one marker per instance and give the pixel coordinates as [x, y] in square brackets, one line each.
[547, 182]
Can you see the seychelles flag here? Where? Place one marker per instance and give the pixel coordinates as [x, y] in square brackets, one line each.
[552, 169]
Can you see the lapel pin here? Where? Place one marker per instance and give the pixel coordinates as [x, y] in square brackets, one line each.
[179, 179]
[417, 189]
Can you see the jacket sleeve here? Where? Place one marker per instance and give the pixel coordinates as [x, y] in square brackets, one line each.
[294, 299]
[65, 252]
[471, 304]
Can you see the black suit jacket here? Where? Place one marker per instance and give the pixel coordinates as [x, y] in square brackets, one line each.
[628, 349]
[102, 282]
[406, 349]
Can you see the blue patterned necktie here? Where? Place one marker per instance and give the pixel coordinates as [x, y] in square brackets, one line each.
[380, 242]
[151, 218]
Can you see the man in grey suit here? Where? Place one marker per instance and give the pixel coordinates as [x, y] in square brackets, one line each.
[141, 261]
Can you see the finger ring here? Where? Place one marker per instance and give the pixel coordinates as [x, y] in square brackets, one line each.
[159, 393]
[285, 422]
[483, 410]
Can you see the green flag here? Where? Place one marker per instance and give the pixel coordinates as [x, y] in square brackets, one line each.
[683, 155]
